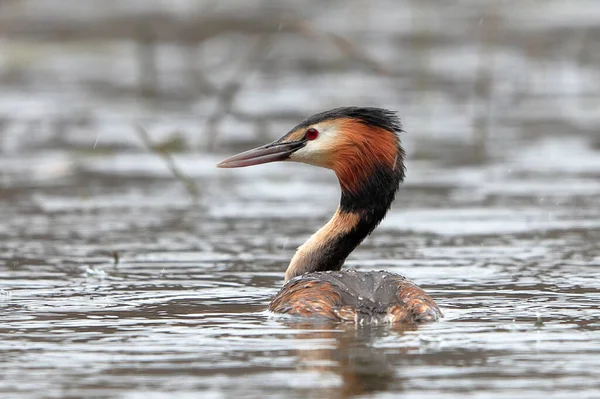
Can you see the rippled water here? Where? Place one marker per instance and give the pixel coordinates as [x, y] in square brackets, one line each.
[115, 282]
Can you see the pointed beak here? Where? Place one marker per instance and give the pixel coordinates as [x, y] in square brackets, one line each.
[272, 152]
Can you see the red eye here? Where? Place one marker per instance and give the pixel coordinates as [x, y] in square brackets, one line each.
[311, 134]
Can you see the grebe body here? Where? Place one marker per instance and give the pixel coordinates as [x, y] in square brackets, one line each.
[362, 146]
[370, 297]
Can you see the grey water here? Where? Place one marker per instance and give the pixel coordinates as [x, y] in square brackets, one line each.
[116, 281]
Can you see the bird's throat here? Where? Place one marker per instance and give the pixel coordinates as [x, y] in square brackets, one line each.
[360, 211]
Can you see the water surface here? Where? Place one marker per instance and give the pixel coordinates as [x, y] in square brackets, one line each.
[116, 282]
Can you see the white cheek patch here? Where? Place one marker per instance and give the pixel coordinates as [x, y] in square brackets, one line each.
[318, 151]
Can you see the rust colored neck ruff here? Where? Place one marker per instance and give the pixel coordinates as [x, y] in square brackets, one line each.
[370, 174]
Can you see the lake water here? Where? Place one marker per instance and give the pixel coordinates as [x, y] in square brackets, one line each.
[115, 281]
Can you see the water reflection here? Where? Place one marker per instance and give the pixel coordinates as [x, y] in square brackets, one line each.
[350, 357]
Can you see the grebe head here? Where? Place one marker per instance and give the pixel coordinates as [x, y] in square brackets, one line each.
[362, 146]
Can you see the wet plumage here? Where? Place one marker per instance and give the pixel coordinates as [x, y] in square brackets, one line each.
[360, 297]
[362, 146]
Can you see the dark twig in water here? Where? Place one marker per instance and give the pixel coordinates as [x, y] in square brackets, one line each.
[538, 320]
[188, 183]
[483, 85]
[226, 96]
[345, 45]
[115, 256]
[146, 57]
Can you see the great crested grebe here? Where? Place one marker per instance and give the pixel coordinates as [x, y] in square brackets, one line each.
[362, 146]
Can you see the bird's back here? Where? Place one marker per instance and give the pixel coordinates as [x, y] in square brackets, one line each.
[353, 296]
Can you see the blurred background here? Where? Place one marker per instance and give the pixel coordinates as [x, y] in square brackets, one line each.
[207, 75]
[131, 266]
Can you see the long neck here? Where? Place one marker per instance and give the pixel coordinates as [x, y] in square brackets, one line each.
[360, 211]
